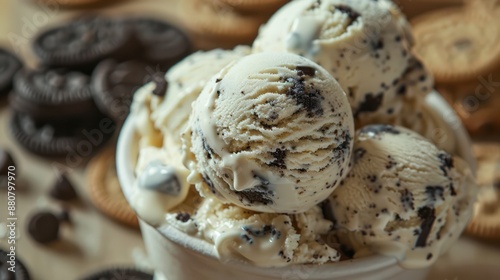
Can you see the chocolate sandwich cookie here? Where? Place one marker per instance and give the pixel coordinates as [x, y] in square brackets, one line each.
[43, 227]
[80, 137]
[457, 43]
[105, 191]
[82, 43]
[9, 65]
[50, 94]
[485, 222]
[20, 271]
[114, 85]
[160, 42]
[119, 273]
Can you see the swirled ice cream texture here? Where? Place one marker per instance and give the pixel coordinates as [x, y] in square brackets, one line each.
[271, 132]
[365, 45]
[404, 197]
[162, 183]
[263, 239]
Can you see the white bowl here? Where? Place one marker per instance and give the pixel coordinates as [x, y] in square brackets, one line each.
[176, 255]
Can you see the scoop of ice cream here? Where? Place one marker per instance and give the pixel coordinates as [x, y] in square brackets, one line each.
[271, 132]
[403, 197]
[264, 239]
[159, 120]
[365, 45]
[186, 80]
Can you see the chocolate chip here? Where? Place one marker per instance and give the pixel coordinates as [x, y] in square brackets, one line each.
[160, 85]
[206, 147]
[343, 147]
[429, 256]
[370, 104]
[6, 160]
[427, 215]
[44, 227]
[401, 90]
[183, 217]
[359, 153]
[446, 162]
[407, 200]
[433, 192]
[63, 189]
[378, 129]
[378, 45]
[279, 158]
[353, 15]
[306, 70]
[256, 195]
[209, 183]
[309, 98]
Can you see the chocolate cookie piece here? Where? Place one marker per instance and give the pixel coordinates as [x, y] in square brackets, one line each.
[43, 227]
[82, 42]
[162, 43]
[63, 189]
[52, 94]
[21, 272]
[78, 137]
[114, 85]
[6, 160]
[9, 65]
[119, 273]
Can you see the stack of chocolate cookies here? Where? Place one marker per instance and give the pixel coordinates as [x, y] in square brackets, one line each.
[88, 71]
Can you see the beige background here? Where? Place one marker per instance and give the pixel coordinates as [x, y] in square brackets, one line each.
[93, 241]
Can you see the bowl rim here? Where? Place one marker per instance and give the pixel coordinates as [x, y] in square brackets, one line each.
[126, 177]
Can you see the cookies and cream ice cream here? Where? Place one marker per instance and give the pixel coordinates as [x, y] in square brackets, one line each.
[365, 45]
[253, 153]
[403, 197]
[160, 119]
[271, 132]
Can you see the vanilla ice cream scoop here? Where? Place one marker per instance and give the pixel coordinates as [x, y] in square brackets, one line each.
[159, 120]
[271, 132]
[403, 197]
[365, 45]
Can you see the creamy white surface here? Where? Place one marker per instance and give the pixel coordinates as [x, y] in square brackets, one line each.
[365, 45]
[254, 143]
[398, 182]
[159, 121]
[264, 239]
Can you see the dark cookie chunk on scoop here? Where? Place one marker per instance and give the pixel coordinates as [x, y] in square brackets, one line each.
[82, 42]
[9, 65]
[52, 94]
